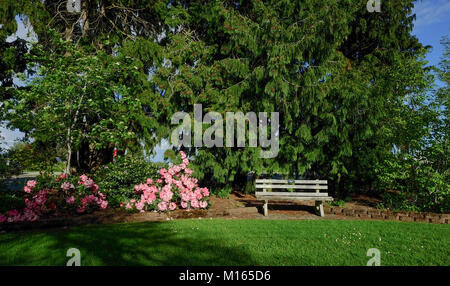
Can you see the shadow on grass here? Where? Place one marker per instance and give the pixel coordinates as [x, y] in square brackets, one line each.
[147, 243]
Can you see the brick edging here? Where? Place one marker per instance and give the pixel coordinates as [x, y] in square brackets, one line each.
[389, 215]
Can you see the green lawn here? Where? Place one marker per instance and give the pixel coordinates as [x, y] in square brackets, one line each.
[233, 242]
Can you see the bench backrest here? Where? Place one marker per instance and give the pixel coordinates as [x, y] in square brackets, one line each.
[268, 184]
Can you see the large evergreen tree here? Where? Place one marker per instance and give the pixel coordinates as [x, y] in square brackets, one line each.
[334, 72]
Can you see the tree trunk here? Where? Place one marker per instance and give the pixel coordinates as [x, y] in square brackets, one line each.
[69, 136]
[69, 151]
[85, 18]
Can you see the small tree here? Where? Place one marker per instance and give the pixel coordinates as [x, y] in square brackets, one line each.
[78, 97]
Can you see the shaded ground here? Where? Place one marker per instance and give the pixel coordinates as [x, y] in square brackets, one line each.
[232, 242]
[284, 209]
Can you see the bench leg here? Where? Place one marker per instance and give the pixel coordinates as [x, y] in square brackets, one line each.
[266, 211]
[322, 213]
[319, 208]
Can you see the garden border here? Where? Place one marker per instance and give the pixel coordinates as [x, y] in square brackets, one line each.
[390, 215]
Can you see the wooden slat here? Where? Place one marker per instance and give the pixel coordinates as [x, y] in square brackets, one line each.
[275, 181]
[306, 187]
[291, 194]
[286, 198]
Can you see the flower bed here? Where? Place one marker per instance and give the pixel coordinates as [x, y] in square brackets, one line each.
[49, 195]
[174, 189]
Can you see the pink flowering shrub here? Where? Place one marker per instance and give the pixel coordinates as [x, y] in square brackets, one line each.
[49, 195]
[174, 189]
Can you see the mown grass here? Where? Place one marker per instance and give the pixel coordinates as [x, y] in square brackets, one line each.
[233, 242]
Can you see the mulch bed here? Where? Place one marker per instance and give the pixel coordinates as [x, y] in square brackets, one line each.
[239, 206]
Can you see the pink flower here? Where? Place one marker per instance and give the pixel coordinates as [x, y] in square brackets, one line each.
[83, 178]
[176, 169]
[140, 205]
[65, 186]
[184, 205]
[185, 197]
[205, 192]
[13, 213]
[41, 197]
[192, 196]
[31, 184]
[149, 181]
[30, 215]
[198, 195]
[101, 195]
[81, 209]
[70, 200]
[103, 204]
[14, 216]
[148, 197]
[27, 189]
[159, 181]
[172, 206]
[162, 206]
[166, 195]
[2, 218]
[89, 183]
[194, 204]
[183, 155]
[203, 204]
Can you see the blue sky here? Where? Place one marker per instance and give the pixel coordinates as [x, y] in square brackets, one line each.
[432, 23]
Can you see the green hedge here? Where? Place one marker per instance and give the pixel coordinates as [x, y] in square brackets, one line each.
[117, 179]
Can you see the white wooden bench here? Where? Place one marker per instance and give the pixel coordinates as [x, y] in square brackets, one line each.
[312, 187]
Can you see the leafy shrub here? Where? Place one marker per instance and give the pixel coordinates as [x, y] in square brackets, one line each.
[397, 201]
[49, 194]
[117, 179]
[11, 200]
[176, 188]
[224, 192]
[337, 203]
[36, 156]
[414, 185]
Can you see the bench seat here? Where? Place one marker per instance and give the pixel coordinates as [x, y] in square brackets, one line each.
[290, 196]
[313, 193]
